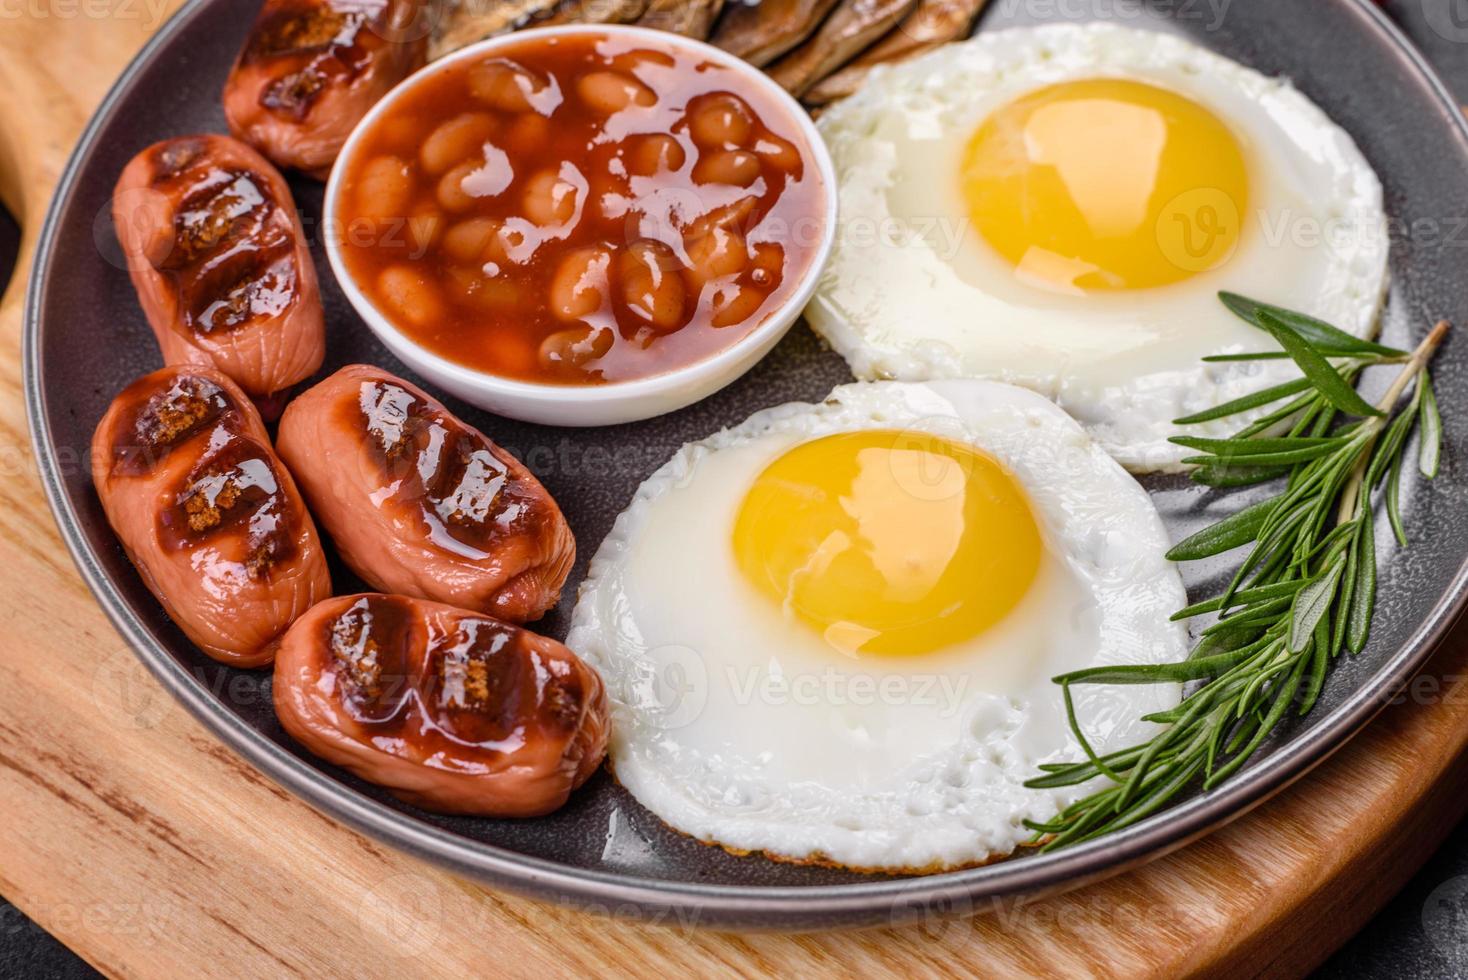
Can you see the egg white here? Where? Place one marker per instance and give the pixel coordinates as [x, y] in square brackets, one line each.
[912, 292]
[736, 724]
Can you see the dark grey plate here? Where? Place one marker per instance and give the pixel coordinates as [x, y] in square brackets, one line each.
[85, 338]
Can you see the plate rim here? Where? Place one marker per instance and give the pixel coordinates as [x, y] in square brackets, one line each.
[878, 902]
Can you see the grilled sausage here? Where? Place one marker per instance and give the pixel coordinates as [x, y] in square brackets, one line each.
[207, 513]
[311, 69]
[450, 710]
[220, 262]
[421, 504]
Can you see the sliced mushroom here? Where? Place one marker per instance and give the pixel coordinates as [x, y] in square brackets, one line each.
[851, 28]
[463, 22]
[931, 24]
[692, 18]
[593, 12]
[759, 31]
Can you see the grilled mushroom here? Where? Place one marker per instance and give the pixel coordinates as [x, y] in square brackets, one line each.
[463, 22]
[693, 18]
[853, 26]
[932, 24]
[593, 12]
[759, 31]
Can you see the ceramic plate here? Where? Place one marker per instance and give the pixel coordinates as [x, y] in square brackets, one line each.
[86, 338]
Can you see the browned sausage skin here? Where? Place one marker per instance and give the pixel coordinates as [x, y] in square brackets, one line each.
[207, 513]
[220, 262]
[419, 503]
[450, 710]
[311, 69]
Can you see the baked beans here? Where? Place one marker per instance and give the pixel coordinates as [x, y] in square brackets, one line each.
[581, 209]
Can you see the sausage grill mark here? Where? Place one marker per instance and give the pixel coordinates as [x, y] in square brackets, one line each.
[479, 674]
[174, 155]
[480, 685]
[330, 41]
[233, 256]
[461, 485]
[161, 423]
[218, 207]
[233, 489]
[370, 646]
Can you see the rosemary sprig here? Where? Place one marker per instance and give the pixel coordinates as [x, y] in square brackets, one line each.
[1306, 587]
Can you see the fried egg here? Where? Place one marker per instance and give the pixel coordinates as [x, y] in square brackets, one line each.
[1058, 207]
[829, 632]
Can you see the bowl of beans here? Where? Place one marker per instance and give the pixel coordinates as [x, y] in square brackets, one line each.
[582, 225]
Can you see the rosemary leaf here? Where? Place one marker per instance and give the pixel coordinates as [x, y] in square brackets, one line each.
[1303, 592]
[1303, 406]
[1311, 604]
[1224, 477]
[1244, 456]
[1349, 582]
[1231, 532]
[1319, 663]
[1319, 334]
[1256, 355]
[1431, 425]
[1242, 597]
[1221, 447]
[1365, 591]
[1257, 400]
[1393, 500]
[1320, 372]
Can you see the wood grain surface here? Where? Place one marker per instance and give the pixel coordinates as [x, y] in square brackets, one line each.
[150, 849]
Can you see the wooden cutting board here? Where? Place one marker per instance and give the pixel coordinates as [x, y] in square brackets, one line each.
[146, 846]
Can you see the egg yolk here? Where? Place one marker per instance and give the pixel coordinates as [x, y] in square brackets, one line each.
[889, 542]
[1106, 184]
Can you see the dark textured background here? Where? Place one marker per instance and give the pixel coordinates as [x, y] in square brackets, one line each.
[1417, 935]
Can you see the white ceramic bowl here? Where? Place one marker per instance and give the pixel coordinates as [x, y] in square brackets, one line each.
[616, 402]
